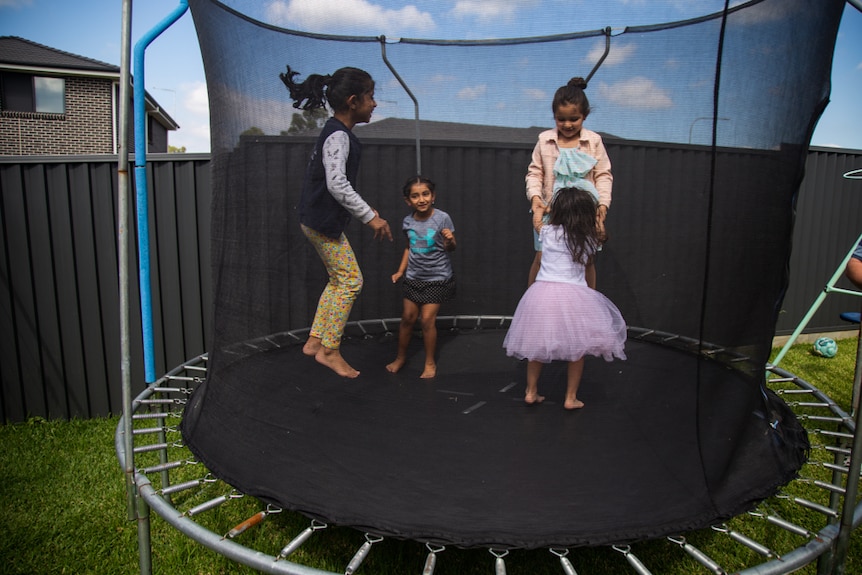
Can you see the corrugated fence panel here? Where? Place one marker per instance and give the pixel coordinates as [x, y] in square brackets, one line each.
[828, 221]
[59, 288]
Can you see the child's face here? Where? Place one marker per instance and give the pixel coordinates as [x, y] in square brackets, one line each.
[362, 107]
[569, 121]
[420, 198]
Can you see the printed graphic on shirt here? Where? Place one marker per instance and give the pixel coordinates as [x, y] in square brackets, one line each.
[421, 245]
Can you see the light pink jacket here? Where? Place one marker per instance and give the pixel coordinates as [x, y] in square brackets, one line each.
[540, 173]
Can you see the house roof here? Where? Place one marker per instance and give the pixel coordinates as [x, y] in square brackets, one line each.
[22, 52]
[22, 55]
[402, 128]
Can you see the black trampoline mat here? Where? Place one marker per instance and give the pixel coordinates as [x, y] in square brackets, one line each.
[667, 442]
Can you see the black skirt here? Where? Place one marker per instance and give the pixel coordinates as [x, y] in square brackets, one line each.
[429, 292]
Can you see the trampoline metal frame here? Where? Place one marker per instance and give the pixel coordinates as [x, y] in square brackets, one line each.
[825, 544]
[142, 496]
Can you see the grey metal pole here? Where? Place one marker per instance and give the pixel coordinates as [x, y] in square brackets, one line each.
[412, 97]
[137, 509]
[122, 245]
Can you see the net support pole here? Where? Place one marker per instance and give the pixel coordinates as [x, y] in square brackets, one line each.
[830, 288]
[141, 185]
[412, 97]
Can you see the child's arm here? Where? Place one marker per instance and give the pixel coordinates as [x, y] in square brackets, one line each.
[335, 151]
[603, 179]
[535, 181]
[448, 240]
[402, 267]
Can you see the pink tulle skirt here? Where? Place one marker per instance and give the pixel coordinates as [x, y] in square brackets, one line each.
[565, 322]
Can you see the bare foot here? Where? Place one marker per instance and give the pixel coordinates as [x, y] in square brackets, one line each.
[332, 359]
[312, 346]
[396, 365]
[430, 371]
[533, 398]
[573, 404]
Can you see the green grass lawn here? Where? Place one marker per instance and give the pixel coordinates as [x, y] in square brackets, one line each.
[63, 509]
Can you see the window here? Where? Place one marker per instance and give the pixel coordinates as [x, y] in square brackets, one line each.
[27, 93]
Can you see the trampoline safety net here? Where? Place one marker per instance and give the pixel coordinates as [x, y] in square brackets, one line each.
[707, 123]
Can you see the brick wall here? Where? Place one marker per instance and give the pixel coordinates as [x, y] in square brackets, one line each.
[85, 128]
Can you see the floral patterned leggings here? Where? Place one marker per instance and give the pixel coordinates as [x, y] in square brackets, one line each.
[342, 289]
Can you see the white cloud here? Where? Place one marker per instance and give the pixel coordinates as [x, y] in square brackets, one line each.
[193, 117]
[616, 55]
[638, 92]
[472, 92]
[536, 94]
[486, 10]
[356, 15]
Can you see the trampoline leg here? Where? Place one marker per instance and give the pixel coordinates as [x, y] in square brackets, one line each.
[145, 552]
[857, 374]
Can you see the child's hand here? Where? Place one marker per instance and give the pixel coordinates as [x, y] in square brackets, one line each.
[448, 239]
[538, 214]
[396, 276]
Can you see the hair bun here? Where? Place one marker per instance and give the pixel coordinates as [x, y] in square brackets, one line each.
[577, 82]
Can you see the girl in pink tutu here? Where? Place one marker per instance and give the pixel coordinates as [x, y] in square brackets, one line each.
[560, 317]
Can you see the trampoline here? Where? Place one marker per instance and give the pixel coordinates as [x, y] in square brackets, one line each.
[186, 495]
[684, 435]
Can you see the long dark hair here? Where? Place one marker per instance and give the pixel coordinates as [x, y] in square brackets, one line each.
[574, 210]
[572, 93]
[317, 90]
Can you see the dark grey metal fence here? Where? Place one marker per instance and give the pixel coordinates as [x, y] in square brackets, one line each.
[59, 317]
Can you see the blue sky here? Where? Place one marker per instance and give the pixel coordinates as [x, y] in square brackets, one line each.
[174, 71]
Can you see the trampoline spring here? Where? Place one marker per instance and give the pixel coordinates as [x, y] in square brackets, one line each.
[499, 562]
[212, 503]
[567, 566]
[139, 416]
[822, 418]
[153, 447]
[145, 431]
[184, 390]
[786, 380]
[250, 522]
[838, 450]
[698, 555]
[829, 487]
[834, 467]
[297, 541]
[431, 559]
[176, 488]
[790, 391]
[362, 553]
[635, 563]
[163, 401]
[745, 540]
[163, 467]
[180, 378]
[787, 525]
[816, 507]
[838, 434]
[810, 404]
